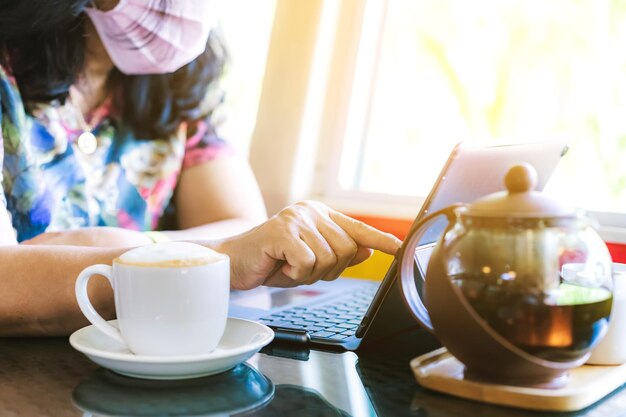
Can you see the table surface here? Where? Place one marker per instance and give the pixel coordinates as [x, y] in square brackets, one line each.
[46, 377]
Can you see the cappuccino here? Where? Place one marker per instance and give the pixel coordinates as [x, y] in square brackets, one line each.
[171, 298]
[170, 255]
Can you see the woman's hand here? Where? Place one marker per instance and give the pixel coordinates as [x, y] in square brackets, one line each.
[302, 244]
[110, 237]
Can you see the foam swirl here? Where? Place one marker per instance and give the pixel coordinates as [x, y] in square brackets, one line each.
[170, 254]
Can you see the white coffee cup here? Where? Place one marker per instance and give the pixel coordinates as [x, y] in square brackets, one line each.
[171, 298]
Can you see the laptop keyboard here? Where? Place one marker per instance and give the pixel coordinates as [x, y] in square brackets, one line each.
[337, 319]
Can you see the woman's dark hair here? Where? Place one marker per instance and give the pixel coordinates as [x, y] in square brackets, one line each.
[42, 46]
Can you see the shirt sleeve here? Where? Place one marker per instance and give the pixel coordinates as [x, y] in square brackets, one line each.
[4, 86]
[3, 200]
[7, 233]
[204, 144]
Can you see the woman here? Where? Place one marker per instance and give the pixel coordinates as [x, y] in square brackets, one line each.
[107, 136]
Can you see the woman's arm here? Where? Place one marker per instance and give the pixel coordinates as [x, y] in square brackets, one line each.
[37, 288]
[216, 199]
[304, 243]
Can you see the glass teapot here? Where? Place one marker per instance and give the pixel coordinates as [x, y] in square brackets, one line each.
[496, 293]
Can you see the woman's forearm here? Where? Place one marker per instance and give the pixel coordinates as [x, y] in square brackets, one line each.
[300, 245]
[37, 288]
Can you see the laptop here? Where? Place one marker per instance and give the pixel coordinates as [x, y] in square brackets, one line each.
[351, 313]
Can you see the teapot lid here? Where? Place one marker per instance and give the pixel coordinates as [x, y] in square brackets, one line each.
[520, 200]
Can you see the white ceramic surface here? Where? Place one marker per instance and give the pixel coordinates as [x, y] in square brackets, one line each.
[241, 340]
[612, 348]
[170, 298]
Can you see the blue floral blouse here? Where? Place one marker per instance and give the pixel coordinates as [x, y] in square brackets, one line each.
[49, 182]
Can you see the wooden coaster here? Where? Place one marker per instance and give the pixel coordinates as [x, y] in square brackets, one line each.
[440, 371]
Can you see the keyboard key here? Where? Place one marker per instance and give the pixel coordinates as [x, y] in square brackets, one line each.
[322, 334]
[309, 319]
[340, 316]
[336, 329]
[285, 325]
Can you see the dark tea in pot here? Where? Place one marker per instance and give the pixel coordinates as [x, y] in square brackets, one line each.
[494, 292]
[560, 327]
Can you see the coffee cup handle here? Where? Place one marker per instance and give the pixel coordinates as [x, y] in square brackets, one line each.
[407, 265]
[85, 305]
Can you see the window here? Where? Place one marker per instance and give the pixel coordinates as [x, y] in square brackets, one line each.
[431, 73]
[245, 26]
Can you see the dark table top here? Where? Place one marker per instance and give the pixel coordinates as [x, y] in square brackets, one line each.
[46, 377]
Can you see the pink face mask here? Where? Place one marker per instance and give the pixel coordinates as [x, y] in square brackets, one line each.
[141, 38]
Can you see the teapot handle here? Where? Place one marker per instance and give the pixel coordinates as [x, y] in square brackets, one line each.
[407, 264]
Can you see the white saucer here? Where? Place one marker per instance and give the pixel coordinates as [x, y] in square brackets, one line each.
[241, 340]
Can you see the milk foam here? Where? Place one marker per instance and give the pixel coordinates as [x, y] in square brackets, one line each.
[170, 254]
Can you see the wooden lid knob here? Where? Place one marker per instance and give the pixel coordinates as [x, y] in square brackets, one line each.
[521, 178]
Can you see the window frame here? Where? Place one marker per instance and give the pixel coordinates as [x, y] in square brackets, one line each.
[318, 142]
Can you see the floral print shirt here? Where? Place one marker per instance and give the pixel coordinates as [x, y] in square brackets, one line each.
[50, 184]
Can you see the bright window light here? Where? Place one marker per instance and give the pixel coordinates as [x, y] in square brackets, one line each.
[245, 26]
[495, 71]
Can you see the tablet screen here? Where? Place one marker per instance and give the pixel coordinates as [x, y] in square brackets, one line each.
[472, 172]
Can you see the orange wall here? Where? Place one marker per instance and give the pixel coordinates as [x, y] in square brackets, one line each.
[377, 265]
[397, 227]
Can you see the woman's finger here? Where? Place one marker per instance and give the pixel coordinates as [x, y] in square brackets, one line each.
[365, 235]
[343, 247]
[325, 257]
[362, 254]
[299, 260]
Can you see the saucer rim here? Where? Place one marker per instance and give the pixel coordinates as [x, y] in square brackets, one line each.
[214, 355]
